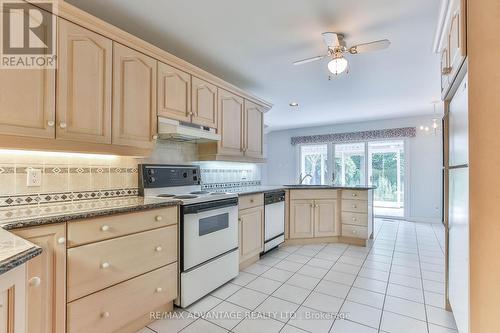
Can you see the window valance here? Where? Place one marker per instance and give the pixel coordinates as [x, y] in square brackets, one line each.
[356, 136]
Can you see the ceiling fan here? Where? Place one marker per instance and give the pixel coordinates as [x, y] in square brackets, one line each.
[336, 48]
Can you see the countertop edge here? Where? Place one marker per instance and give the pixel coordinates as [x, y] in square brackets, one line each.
[19, 259]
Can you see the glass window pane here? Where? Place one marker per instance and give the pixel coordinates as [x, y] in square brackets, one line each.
[350, 164]
[314, 164]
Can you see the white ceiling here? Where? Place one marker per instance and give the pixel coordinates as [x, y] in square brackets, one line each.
[252, 44]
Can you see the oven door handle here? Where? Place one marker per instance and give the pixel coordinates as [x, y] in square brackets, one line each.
[205, 208]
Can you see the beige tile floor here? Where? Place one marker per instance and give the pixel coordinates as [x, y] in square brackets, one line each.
[396, 284]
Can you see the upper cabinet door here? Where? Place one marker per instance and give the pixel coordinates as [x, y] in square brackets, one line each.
[254, 125]
[456, 37]
[134, 98]
[174, 93]
[27, 100]
[230, 123]
[84, 85]
[204, 103]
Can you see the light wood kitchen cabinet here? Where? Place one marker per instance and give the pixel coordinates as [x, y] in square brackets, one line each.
[134, 98]
[251, 232]
[301, 219]
[12, 301]
[46, 279]
[27, 101]
[83, 85]
[254, 130]
[325, 221]
[204, 103]
[231, 111]
[174, 93]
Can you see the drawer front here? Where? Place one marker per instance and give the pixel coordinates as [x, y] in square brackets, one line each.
[94, 230]
[313, 194]
[354, 231]
[355, 206]
[99, 265]
[354, 195]
[115, 307]
[355, 218]
[251, 200]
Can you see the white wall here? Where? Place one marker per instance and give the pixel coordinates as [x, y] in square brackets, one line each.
[425, 159]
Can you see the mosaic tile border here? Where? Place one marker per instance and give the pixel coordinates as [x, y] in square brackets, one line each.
[231, 185]
[55, 169]
[45, 198]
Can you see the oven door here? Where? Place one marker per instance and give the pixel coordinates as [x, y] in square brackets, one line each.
[209, 230]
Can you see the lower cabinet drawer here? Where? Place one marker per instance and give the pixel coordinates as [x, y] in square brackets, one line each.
[251, 200]
[115, 307]
[356, 206]
[355, 218]
[99, 265]
[354, 231]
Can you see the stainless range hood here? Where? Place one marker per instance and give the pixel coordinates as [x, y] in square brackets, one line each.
[174, 130]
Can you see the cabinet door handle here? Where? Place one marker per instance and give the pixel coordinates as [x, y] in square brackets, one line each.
[105, 228]
[105, 265]
[446, 70]
[159, 289]
[105, 314]
[34, 281]
[51, 123]
[155, 136]
[62, 124]
[158, 249]
[158, 218]
[61, 240]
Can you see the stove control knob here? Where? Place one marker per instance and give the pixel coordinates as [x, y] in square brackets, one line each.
[152, 179]
[151, 172]
[185, 175]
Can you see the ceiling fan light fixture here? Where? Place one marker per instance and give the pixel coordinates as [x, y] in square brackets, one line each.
[337, 65]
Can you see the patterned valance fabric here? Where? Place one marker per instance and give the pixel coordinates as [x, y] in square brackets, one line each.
[390, 133]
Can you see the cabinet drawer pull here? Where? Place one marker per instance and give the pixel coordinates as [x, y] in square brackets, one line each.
[251, 200]
[105, 228]
[105, 265]
[159, 289]
[155, 137]
[158, 249]
[354, 206]
[105, 314]
[354, 194]
[61, 240]
[158, 218]
[62, 124]
[354, 231]
[317, 206]
[354, 219]
[51, 123]
[34, 281]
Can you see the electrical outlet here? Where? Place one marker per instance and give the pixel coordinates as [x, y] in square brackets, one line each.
[34, 177]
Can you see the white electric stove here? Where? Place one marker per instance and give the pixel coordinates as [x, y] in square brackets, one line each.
[208, 228]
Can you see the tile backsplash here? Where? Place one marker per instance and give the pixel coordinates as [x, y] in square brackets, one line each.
[67, 176]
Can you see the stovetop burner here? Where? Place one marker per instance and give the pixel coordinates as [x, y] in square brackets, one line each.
[199, 192]
[165, 195]
[186, 196]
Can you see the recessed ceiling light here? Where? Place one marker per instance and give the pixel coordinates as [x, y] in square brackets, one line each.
[294, 104]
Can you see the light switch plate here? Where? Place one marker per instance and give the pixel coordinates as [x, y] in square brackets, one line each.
[34, 177]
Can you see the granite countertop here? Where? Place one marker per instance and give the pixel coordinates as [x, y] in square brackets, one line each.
[15, 250]
[271, 188]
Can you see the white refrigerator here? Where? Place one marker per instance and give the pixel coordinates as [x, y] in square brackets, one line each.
[458, 213]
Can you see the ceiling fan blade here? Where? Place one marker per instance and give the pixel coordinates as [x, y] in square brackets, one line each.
[331, 39]
[370, 47]
[305, 61]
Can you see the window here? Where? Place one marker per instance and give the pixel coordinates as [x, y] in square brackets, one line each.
[314, 164]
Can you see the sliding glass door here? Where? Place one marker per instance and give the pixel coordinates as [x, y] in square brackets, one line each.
[386, 161]
[378, 163]
[350, 168]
